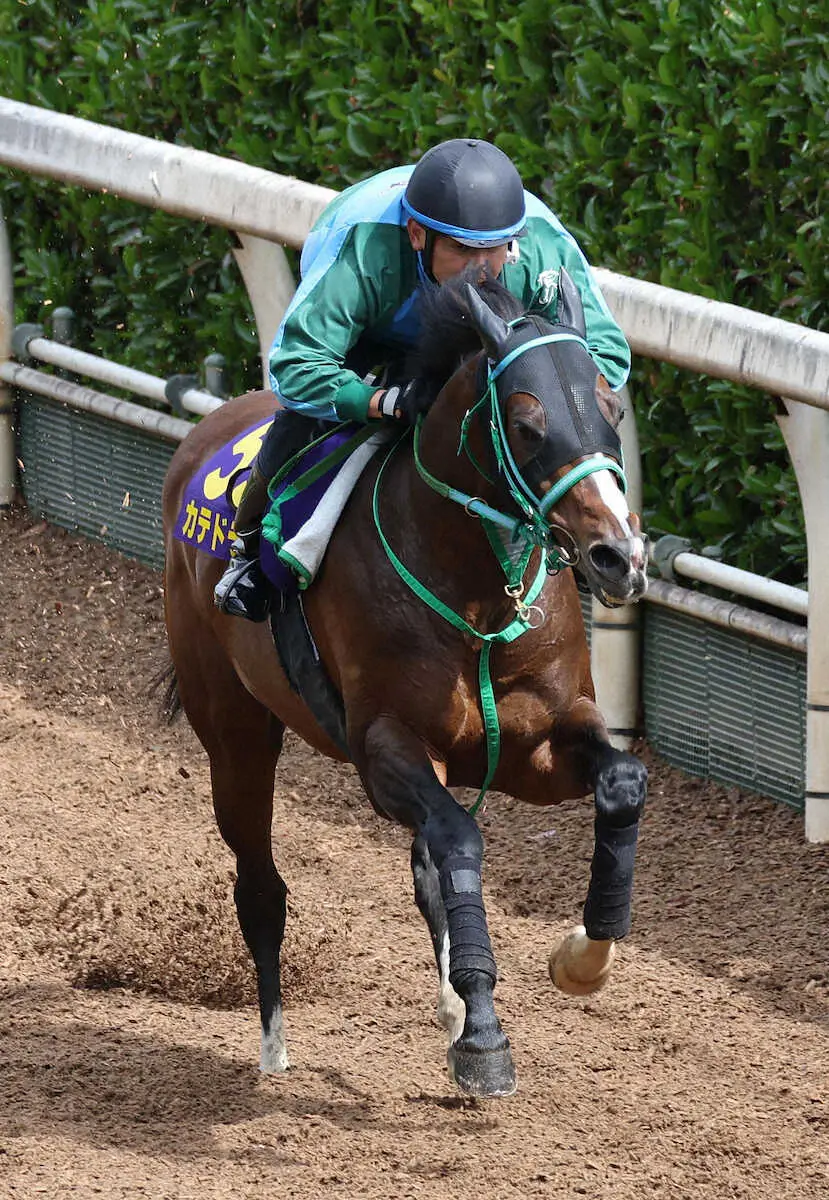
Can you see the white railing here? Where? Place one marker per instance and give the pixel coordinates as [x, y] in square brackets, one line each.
[128, 379]
[721, 339]
[267, 211]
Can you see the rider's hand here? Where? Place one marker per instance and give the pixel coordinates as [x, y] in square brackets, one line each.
[386, 402]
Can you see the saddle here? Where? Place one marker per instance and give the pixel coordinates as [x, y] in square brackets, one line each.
[308, 495]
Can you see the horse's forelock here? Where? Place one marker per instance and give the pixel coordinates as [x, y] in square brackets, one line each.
[449, 334]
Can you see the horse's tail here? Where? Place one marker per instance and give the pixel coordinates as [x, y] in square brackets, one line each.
[167, 680]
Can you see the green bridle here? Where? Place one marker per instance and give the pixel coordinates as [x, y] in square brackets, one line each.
[529, 531]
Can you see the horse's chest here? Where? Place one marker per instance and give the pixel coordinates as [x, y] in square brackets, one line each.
[453, 707]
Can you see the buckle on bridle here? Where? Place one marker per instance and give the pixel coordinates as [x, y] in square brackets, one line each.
[532, 616]
[562, 557]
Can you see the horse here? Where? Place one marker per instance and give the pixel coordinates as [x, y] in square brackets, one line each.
[448, 675]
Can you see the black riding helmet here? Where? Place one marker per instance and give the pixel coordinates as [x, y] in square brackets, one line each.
[468, 190]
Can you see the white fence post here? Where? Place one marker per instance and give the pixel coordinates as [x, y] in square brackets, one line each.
[270, 286]
[806, 431]
[614, 646]
[8, 459]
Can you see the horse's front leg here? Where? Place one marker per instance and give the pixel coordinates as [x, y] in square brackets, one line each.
[429, 899]
[401, 781]
[581, 963]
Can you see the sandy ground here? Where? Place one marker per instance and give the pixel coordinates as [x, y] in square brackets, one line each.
[128, 1036]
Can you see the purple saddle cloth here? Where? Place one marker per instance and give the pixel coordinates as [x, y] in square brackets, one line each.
[205, 519]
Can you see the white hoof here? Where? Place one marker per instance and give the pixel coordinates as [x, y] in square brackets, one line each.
[579, 966]
[451, 1012]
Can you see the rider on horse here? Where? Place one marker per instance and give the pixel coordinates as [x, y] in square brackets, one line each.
[364, 266]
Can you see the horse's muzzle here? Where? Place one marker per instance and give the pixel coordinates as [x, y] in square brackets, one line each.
[615, 569]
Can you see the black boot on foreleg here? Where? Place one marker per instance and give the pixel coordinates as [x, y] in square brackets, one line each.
[480, 1061]
[401, 782]
[581, 964]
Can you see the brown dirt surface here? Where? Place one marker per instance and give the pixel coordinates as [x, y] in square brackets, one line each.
[128, 1035]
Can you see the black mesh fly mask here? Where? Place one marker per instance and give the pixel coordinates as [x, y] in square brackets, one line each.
[563, 378]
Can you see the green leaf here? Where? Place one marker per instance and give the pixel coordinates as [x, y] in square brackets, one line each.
[356, 141]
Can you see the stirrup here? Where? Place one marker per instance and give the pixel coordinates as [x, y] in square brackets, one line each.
[243, 589]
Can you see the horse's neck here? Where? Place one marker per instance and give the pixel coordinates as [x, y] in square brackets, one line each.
[459, 558]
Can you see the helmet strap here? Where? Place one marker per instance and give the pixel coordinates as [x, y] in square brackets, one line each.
[425, 279]
[428, 253]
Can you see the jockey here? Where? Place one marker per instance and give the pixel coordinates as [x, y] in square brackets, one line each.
[364, 266]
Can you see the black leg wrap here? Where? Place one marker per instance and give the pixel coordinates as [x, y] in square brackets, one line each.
[607, 908]
[470, 949]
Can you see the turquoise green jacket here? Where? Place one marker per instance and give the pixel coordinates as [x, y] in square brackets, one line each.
[361, 280]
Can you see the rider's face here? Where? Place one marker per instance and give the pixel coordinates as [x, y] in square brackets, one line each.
[449, 257]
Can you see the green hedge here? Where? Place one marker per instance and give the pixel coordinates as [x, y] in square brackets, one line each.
[683, 142]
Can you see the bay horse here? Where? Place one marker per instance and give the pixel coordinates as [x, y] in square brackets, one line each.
[448, 675]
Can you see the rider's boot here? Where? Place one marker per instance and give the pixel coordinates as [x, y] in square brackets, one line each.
[243, 590]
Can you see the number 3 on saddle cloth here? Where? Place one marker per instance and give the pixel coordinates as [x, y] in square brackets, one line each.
[307, 499]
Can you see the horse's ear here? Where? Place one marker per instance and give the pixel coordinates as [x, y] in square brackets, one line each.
[493, 329]
[570, 310]
[611, 405]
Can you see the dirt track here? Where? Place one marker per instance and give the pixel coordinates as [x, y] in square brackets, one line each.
[128, 1039]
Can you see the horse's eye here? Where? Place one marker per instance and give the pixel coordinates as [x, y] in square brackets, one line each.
[529, 431]
[527, 423]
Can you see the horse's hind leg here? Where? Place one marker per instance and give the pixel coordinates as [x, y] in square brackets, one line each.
[242, 774]
[243, 741]
[451, 1010]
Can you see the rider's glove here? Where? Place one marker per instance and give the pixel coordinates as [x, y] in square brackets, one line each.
[393, 401]
[390, 401]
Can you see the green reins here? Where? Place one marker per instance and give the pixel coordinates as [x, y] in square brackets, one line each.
[532, 530]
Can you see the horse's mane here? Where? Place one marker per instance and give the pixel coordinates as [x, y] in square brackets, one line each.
[448, 334]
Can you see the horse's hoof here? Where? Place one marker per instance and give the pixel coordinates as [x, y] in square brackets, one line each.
[579, 966]
[485, 1073]
[274, 1064]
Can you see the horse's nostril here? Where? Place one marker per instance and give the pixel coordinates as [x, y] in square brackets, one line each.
[609, 562]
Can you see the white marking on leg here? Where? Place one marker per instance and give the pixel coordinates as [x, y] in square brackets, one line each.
[274, 1056]
[451, 1009]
